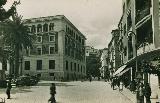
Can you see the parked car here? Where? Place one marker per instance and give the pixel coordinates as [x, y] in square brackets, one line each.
[23, 81]
[27, 80]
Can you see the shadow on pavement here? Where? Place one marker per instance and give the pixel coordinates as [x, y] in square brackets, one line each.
[57, 84]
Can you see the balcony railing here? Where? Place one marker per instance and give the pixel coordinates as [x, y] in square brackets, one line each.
[142, 13]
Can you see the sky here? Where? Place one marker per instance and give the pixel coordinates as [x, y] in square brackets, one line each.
[94, 18]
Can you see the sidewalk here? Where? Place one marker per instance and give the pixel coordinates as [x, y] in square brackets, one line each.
[128, 94]
[132, 96]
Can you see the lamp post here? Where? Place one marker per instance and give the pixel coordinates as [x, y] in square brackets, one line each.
[138, 73]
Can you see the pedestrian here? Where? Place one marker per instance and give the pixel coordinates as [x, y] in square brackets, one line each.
[121, 86]
[147, 93]
[52, 93]
[113, 83]
[141, 93]
[90, 78]
[8, 90]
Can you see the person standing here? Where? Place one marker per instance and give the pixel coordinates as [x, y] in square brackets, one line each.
[8, 90]
[52, 92]
[147, 93]
[141, 93]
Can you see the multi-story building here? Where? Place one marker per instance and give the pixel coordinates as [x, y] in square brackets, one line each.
[92, 51]
[104, 64]
[58, 51]
[139, 29]
[113, 53]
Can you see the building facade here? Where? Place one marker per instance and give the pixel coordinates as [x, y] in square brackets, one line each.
[58, 51]
[91, 50]
[138, 40]
[104, 64]
[113, 53]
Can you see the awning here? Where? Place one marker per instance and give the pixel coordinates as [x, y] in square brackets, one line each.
[124, 71]
[119, 70]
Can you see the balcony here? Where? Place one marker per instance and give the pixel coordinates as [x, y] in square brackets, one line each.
[142, 14]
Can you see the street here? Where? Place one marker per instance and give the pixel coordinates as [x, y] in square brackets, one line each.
[67, 92]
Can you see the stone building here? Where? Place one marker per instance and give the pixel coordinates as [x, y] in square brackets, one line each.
[113, 53]
[104, 63]
[58, 51]
[139, 40]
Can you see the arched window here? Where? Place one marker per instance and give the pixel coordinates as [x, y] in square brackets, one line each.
[33, 29]
[45, 28]
[39, 28]
[51, 26]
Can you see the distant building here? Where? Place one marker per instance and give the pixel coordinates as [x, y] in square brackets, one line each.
[104, 63]
[59, 49]
[113, 52]
[92, 51]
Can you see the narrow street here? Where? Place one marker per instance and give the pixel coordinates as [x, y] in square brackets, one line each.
[68, 92]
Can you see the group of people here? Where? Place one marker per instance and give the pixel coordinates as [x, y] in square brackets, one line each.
[115, 82]
[144, 91]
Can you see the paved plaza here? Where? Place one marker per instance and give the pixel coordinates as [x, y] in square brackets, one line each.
[68, 92]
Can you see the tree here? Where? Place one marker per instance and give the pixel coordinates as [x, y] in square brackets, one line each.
[17, 36]
[93, 65]
[6, 14]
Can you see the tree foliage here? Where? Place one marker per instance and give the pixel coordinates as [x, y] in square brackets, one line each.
[93, 65]
[17, 36]
[6, 14]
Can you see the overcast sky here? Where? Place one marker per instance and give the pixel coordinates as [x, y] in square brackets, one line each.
[94, 18]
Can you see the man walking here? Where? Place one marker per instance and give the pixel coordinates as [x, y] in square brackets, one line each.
[52, 92]
[8, 90]
[147, 93]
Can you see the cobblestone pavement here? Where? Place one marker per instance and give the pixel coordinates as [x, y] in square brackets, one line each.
[67, 92]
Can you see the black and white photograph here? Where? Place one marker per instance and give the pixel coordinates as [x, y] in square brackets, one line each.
[79, 51]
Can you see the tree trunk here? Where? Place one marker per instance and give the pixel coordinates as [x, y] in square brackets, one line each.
[17, 60]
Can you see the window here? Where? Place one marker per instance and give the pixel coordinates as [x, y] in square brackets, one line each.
[81, 69]
[39, 51]
[51, 64]
[39, 64]
[38, 75]
[51, 74]
[78, 67]
[51, 50]
[51, 38]
[33, 29]
[66, 65]
[74, 66]
[39, 28]
[84, 70]
[39, 39]
[124, 29]
[125, 51]
[45, 28]
[71, 66]
[51, 26]
[27, 65]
